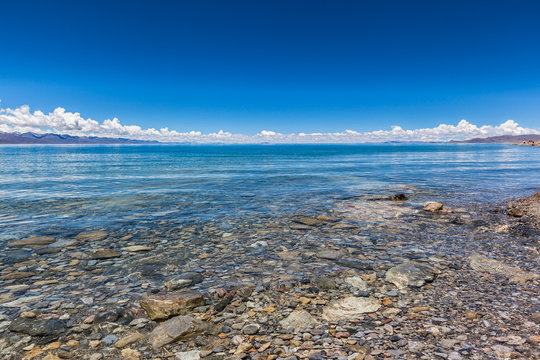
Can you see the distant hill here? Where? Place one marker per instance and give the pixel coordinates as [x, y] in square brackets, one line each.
[500, 139]
[31, 138]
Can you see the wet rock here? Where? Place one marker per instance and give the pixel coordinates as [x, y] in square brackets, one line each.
[306, 220]
[357, 282]
[18, 275]
[330, 254]
[353, 264]
[433, 206]
[136, 248]
[92, 236]
[528, 206]
[184, 280]
[350, 308]
[104, 254]
[485, 264]
[175, 329]
[299, 319]
[32, 241]
[166, 306]
[51, 327]
[250, 329]
[398, 197]
[410, 274]
[188, 355]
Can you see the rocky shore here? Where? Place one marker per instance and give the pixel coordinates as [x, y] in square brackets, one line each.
[376, 278]
[527, 209]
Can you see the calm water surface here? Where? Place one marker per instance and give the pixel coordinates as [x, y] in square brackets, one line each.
[75, 187]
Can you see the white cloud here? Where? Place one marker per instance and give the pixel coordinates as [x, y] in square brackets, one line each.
[64, 122]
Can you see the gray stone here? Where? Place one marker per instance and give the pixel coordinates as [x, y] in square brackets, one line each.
[410, 274]
[109, 340]
[51, 327]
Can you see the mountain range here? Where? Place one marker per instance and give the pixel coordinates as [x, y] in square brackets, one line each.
[511, 139]
[31, 138]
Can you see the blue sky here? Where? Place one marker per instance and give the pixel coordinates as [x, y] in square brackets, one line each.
[285, 66]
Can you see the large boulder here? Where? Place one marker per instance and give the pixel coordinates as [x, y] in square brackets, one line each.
[165, 306]
[410, 274]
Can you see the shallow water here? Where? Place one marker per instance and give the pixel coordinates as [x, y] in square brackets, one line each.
[75, 187]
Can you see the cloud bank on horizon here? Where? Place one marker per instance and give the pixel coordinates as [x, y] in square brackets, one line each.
[60, 121]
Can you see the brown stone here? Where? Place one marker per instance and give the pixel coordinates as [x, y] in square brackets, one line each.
[175, 329]
[166, 306]
[19, 275]
[32, 241]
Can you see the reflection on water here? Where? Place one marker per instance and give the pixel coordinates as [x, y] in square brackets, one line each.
[89, 186]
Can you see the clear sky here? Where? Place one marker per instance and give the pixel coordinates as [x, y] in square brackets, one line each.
[285, 66]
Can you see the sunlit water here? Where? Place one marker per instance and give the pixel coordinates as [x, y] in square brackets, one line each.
[76, 187]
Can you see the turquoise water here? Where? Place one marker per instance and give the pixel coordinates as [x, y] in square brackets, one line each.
[62, 188]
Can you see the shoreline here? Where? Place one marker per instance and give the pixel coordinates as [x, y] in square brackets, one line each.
[311, 286]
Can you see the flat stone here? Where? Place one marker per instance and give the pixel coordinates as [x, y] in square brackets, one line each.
[288, 255]
[299, 319]
[250, 329]
[51, 327]
[350, 308]
[188, 355]
[306, 220]
[32, 241]
[18, 275]
[136, 248]
[129, 339]
[485, 264]
[175, 329]
[92, 236]
[105, 254]
[330, 254]
[410, 274]
[166, 306]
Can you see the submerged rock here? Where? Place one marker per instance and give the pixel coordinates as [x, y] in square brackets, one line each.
[92, 236]
[433, 206]
[410, 274]
[398, 197]
[105, 254]
[183, 280]
[309, 221]
[175, 329]
[166, 306]
[485, 264]
[299, 320]
[32, 241]
[350, 308]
